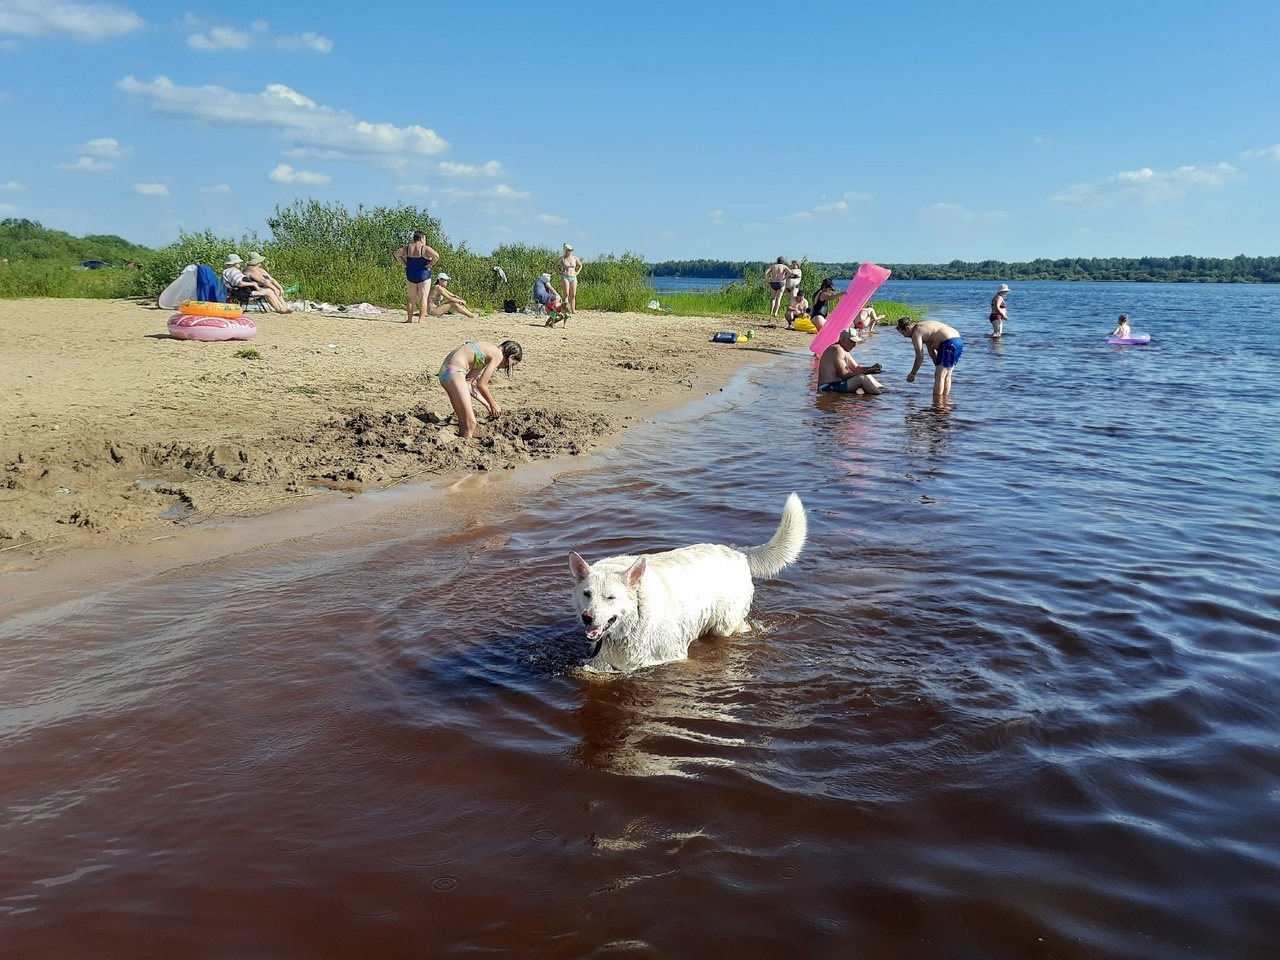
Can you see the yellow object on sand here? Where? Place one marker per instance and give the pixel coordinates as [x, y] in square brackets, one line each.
[805, 325]
[210, 308]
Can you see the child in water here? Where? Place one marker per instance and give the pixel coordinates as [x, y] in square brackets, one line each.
[1122, 329]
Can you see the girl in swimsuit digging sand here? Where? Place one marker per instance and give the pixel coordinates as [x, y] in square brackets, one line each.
[465, 374]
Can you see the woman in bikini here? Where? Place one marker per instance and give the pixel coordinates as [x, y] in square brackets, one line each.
[465, 373]
[794, 276]
[417, 259]
[570, 268]
[776, 277]
[443, 300]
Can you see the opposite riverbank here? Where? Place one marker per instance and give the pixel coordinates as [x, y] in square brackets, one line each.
[112, 432]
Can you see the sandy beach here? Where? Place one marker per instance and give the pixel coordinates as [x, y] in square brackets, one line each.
[113, 432]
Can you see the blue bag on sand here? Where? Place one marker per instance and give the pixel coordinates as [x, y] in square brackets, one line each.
[725, 336]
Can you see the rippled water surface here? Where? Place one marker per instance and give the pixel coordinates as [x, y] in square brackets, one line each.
[1019, 698]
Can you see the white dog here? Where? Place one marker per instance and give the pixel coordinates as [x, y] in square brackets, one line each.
[642, 611]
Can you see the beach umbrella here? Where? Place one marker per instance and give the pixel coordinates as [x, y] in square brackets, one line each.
[865, 282]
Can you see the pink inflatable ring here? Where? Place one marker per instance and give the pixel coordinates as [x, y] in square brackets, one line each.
[183, 326]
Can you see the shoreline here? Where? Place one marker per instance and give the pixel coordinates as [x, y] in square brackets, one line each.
[116, 435]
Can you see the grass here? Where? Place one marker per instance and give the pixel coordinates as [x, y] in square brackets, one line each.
[248, 353]
[43, 278]
[339, 256]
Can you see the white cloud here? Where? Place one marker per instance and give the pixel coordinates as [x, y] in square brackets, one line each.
[11, 185]
[838, 207]
[306, 41]
[260, 26]
[1147, 185]
[286, 174]
[87, 165]
[504, 192]
[216, 188]
[802, 215]
[450, 169]
[333, 132]
[107, 147]
[1042, 141]
[1265, 153]
[8, 208]
[550, 218]
[80, 21]
[854, 196]
[412, 188]
[151, 189]
[220, 38]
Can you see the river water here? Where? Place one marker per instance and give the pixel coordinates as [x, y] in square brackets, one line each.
[1020, 697]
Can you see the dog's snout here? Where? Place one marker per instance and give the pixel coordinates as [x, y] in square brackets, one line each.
[588, 616]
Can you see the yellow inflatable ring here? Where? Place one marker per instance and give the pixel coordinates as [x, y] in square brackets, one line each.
[208, 308]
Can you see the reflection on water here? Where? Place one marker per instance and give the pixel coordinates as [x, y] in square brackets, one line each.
[1018, 698]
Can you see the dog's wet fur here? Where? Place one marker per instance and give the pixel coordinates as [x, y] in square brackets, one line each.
[640, 611]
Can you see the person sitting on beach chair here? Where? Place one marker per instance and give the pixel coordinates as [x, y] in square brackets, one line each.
[549, 300]
[444, 301]
[243, 289]
[256, 272]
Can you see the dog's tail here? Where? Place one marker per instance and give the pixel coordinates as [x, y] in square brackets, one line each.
[768, 559]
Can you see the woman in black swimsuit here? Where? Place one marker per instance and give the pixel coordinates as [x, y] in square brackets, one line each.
[826, 295]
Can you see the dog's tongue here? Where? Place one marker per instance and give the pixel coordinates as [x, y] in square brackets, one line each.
[593, 633]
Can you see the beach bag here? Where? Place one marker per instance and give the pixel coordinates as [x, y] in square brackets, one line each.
[725, 336]
[508, 306]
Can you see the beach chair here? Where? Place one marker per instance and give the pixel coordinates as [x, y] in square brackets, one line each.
[248, 299]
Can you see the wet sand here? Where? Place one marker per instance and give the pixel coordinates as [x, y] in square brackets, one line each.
[112, 432]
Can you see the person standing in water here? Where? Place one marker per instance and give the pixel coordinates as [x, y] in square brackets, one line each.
[999, 312]
[776, 278]
[944, 346]
[417, 259]
[570, 268]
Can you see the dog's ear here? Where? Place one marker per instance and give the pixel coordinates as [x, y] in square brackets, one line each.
[635, 573]
[578, 567]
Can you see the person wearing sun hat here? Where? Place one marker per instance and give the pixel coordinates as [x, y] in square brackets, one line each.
[443, 300]
[838, 372]
[255, 272]
[999, 312]
[233, 276]
[570, 268]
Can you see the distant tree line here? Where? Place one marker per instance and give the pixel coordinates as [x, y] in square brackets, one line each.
[1178, 269]
[26, 240]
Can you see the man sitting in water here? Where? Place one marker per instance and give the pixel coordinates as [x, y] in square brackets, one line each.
[838, 372]
[944, 346]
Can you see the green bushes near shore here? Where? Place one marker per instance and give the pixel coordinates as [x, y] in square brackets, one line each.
[340, 256]
[38, 278]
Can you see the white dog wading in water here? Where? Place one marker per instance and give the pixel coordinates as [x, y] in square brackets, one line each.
[642, 611]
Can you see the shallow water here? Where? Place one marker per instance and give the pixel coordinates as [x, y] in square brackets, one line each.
[1018, 698]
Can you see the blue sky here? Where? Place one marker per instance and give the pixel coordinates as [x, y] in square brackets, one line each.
[898, 132]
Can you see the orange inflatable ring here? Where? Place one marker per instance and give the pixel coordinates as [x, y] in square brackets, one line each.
[208, 308]
[185, 326]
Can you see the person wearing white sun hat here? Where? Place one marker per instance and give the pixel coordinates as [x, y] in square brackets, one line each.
[999, 312]
[443, 300]
[233, 276]
[570, 267]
